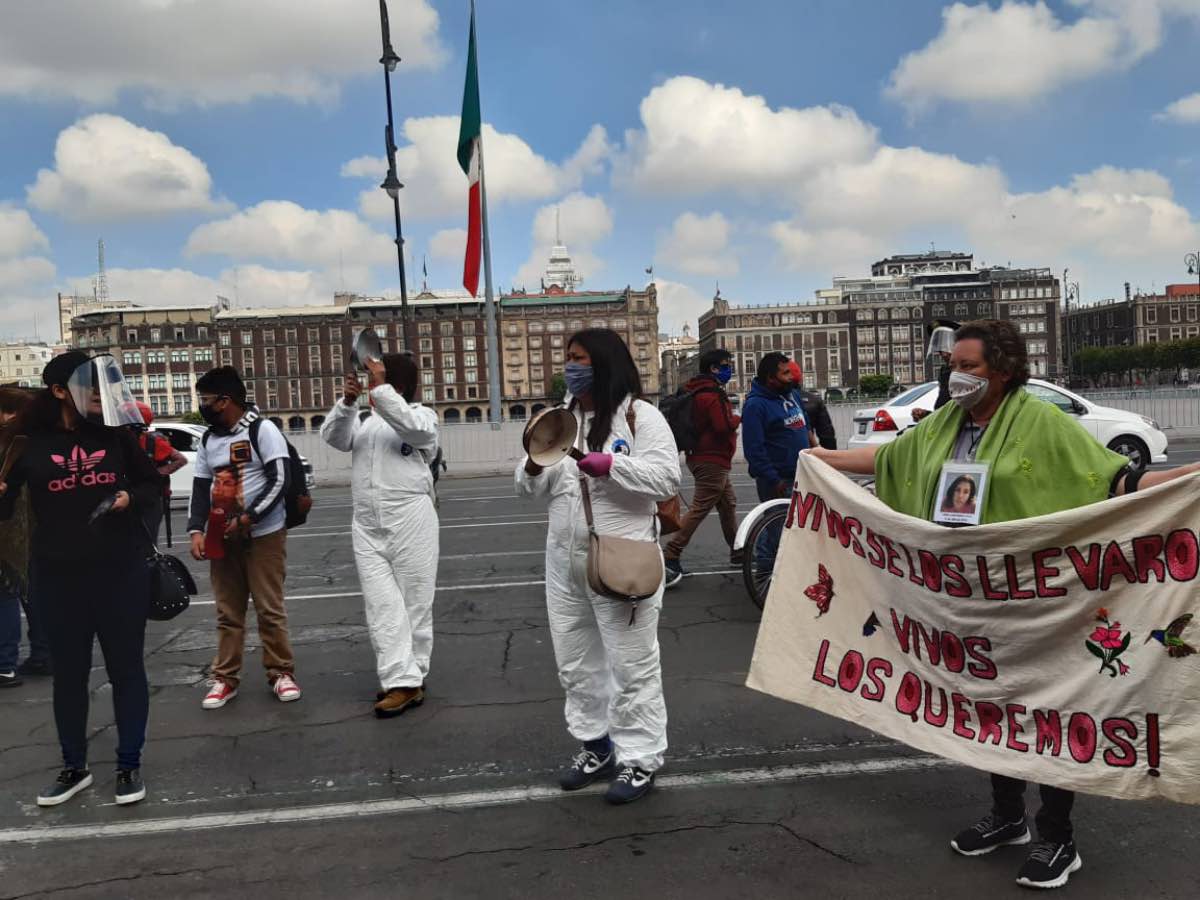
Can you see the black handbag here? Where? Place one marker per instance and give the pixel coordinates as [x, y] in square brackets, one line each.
[171, 584]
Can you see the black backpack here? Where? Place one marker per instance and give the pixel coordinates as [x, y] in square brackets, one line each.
[678, 409]
[297, 501]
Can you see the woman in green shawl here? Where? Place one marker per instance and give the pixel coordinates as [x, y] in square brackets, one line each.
[14, 549]
[1039, 460]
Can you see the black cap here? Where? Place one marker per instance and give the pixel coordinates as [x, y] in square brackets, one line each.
[60, 369]
[223, 381]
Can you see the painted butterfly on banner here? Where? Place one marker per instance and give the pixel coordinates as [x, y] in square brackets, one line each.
[821, 593]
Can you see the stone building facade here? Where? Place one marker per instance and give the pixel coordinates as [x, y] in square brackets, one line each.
[21, 362]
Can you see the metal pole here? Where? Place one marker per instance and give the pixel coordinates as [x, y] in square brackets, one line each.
[392, 184]
[493, 340]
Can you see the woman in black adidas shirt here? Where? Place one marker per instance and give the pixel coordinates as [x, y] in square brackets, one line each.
[92, 579]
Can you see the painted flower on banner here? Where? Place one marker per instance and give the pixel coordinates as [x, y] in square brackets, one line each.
[1107, 642]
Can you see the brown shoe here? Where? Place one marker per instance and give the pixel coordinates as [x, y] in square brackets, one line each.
[397, 700]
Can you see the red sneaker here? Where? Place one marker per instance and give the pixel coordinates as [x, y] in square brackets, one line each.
[286, 689]
[219, 693]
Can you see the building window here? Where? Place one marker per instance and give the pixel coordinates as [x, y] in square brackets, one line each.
[131, 336]
[314, 335]
[447, 328]
[512, 330]
[289, 335]
[556, 356]
[335, 363]
[157, 382]
[226, 357]
[469, 327]
[156, 356]
[620, 324]
[424, 328]
[426, 377]
[556, 325]
[469, 343]
[293, 360]
[426, 344]
[335, 334]
[451, 393]
[1152, 316]
[314, 356]
[535, 342]
[449, 361]
[225, 338]
[134, 382]
[180, 381]
[597, 323]
[202, 332]
[427, 395]
[155, 335]
[179, 356]
[471, 376]
[180, 336]
[131, 359]
[536, 373]
[961, 309]
[469, 359]
[247, 338]
[447, 343]
[426, 362]
[268, 335]
[448, 376]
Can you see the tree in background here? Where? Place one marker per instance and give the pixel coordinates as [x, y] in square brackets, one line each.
[558, 388]
[875, 385]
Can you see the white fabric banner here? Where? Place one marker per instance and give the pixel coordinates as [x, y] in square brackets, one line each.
[1060, 649]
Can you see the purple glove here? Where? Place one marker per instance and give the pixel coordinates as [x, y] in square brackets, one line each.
[595, 464]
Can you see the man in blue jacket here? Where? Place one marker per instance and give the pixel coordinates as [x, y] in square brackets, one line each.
[774, 428]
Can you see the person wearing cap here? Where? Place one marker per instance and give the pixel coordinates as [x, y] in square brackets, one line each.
[166, 459]
[394, 526]
[246, 548]
[88, 483]
[820, 426]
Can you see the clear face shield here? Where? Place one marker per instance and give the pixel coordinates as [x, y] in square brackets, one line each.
[941, 342]
[100, 394]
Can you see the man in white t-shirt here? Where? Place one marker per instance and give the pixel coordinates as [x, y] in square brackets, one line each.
[236, 521]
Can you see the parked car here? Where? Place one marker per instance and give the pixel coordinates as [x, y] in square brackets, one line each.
[1128, 433]
[186, 439]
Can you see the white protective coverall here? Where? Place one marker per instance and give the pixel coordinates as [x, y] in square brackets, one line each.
[609, 668]
[394, 527]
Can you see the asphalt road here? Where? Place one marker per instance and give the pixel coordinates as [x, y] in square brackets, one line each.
[457, 799]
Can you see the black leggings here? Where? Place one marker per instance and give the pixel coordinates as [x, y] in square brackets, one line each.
[1053, 819]
[79, 603]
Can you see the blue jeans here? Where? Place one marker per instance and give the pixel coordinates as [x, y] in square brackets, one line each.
[105, 601]
[767, 545]
[10, 630]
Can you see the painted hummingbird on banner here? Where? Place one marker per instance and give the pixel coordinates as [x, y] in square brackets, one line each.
[1171, 637]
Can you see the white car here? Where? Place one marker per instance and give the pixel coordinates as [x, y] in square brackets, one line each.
[186, 439]
[1130, 434]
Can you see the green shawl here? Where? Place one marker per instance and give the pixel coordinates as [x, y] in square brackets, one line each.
[15, 536]
[1042, 461]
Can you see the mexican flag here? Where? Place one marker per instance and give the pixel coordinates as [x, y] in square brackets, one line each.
[469, 150]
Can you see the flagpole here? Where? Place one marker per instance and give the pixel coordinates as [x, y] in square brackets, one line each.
[493, 342]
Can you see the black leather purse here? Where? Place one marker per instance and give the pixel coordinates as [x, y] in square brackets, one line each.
[171, 584]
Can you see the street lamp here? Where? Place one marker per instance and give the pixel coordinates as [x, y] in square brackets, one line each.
[390, 59]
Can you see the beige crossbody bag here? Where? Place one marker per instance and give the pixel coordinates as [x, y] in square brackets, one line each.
[617, 567]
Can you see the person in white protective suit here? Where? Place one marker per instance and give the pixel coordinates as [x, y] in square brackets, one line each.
[608, 662]
[395, 525]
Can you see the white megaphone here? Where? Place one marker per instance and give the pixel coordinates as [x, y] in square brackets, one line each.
[550, 436]
[365, 347]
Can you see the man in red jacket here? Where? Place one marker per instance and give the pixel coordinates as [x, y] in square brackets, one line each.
[715, 425]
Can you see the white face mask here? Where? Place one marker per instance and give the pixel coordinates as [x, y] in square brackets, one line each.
[967, 390]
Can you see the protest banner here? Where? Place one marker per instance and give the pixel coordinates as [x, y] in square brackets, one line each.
[1060, 649]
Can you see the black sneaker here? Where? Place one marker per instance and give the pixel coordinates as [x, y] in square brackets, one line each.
[630, 784]
[33, 666]
[737, 557]
[586, 768]
[10, 679]
[1049, 865]
[130, 787]
[674, 572]
[69, 783]
[989, 833]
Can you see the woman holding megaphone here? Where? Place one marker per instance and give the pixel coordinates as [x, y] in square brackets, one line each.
[603, 463]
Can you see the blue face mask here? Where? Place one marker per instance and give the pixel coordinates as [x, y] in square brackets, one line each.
[723, 374]
[578, 378]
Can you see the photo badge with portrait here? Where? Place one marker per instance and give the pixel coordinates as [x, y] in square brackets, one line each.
[960, 492]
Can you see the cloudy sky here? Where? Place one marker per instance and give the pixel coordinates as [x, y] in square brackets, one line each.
[228, 147]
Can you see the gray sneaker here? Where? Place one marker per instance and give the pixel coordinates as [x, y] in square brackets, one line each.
[675, 572]
[130, 787]
[69, 783]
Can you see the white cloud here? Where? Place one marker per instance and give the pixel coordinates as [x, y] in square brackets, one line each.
[449, 244]
[698, 245]
[1184, 111]
[282, 231]
[215, 51]
[828, 250]
[18, 233]
[701, 137]
[679, 304]
[105, 167]
[585, 221]
[249, 286]
[1019, 51]
[436, 187]
[24, 272]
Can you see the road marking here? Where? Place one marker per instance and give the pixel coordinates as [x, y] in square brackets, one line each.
[483, 586]
[332, 812]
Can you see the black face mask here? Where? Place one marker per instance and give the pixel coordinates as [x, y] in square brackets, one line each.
[210, 415]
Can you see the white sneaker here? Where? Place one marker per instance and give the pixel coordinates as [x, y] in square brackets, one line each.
[286, 689]
[219, 693]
